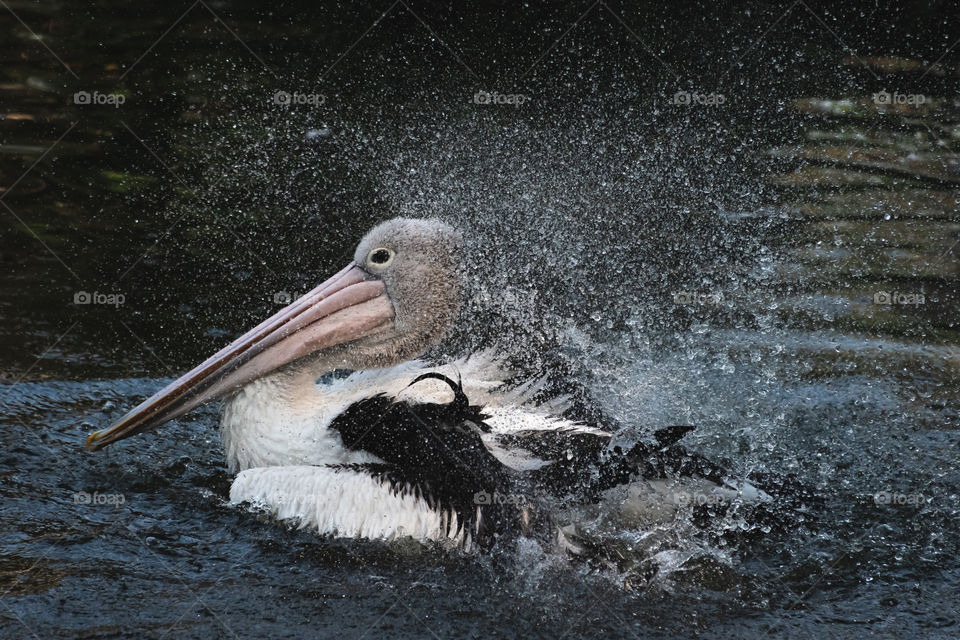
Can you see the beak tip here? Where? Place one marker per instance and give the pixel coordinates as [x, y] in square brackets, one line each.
[92, 441]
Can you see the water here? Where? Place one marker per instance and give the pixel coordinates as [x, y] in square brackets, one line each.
[723, 265]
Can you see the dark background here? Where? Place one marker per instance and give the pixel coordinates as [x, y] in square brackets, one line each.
[587, 208]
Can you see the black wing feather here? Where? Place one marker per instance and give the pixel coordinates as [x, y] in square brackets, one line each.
[437, 449]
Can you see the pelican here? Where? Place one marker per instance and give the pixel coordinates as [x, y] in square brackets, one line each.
[331, 421]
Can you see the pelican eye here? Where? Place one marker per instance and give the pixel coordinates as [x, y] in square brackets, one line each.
[380, 257]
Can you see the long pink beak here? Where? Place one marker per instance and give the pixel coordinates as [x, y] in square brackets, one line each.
[348, 306]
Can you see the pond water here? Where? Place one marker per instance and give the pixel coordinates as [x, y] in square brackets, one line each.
[744, 218]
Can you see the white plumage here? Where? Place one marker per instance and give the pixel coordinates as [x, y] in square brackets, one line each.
[341, 502]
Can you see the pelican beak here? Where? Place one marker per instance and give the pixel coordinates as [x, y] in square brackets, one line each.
[347, 307]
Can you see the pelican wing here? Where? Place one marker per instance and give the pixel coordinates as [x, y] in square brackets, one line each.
[438, 449]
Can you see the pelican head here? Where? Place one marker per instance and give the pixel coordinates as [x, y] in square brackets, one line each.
[396, 299]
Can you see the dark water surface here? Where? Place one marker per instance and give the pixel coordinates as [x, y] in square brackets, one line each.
[728, 265]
